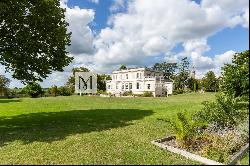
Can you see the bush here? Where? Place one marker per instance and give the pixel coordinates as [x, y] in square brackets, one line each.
[102, 92]
[226, 111]
[185, 129]
[127, 93]
[178, 91]
[147, 94]
[53, 90]
[64, 91]
[220, 147]
[33, 89]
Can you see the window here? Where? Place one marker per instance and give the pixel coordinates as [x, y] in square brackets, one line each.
[148, 86]
[126, 76]
[137, 75]
[140, 75]
[116, 86]
[126, 86]
[122, 86]
[137, 85]
[116, 77]
[130, 86]
[113, 77]
[109, 87]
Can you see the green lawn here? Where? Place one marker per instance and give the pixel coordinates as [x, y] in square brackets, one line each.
[90, 130]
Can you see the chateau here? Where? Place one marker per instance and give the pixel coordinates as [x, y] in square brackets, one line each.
[139, 80]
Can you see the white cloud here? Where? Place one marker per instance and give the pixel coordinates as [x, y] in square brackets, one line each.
[117, 5]
[150, 28]
[82, 36]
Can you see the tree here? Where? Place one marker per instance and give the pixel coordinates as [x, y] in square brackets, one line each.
[236, 75]
[64, 91]
[33, 89]
[101, 81]
[181, 80]
[33, 38]
[53, 90]
[4, 83]
[210, 82]
[168, 69]
[71, 81]
[123, 67]
[193, 84]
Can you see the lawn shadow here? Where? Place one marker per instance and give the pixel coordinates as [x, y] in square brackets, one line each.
[52, 126]
[8, 100]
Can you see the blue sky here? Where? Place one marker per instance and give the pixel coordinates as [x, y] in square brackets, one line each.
[108, 33]
[236, 38]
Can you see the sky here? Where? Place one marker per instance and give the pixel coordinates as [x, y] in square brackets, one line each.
[138, 33]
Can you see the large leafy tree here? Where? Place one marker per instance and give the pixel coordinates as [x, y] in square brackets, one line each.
[181, 80]
[33, 89]
[122, 67]
[4, 83]
[210, 82]
[168, 69]
[101, 81]
[33, 38]
[236, 75]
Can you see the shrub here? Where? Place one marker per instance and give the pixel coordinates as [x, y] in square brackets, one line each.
[147, 94]
[222, 147]
[128, 93]
[185, 129]
[102, 92]
[53, 90]
[33, 89]
[226, 111]
[64, 91]
[178, 91]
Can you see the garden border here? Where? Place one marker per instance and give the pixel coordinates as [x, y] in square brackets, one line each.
[195, 157]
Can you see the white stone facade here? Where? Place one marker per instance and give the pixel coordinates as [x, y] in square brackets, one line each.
[139, 80]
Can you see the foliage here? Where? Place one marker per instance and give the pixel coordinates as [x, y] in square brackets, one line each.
[64, 91]
[53, 90]
[210, 82]
[178, 91]
[181, 79]
[167, 68]
[101, 81]
[147, 94]
[71, 81]
[33, 89]
[122, 67]
[129, 93]
[193, 84]
[185, 129]
[236, 75]
[4, 83]
[223, 147]
[226, 111]
[33, 38]
[102, 92]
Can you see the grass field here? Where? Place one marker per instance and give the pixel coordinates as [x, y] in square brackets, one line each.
[90, 130]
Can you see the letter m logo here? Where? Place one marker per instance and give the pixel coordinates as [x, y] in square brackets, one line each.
[85, 82]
